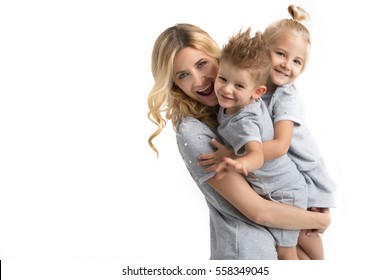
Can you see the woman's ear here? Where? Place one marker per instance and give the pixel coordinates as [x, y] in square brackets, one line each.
[259, 91]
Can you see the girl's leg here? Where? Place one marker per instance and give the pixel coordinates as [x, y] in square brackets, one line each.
[287, 253]
[310, 247]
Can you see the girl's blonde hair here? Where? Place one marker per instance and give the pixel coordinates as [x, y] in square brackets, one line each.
[165, 96]
[273, 31]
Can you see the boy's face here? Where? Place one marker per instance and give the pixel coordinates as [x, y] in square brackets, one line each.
[234, 87]
[288, 54]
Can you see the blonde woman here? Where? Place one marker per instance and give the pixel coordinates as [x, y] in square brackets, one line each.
[184, 67]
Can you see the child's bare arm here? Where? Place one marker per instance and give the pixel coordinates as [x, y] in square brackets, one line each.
[212, 159]
[252, 160]
[281, 143]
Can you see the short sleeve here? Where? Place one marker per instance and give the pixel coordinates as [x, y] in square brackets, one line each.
[286, 106]
[193, 138]
[242, 130]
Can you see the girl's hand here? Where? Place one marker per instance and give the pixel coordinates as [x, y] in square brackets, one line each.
[313, 232]
[212, 159]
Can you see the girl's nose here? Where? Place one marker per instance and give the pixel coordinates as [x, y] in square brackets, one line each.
[286, 64]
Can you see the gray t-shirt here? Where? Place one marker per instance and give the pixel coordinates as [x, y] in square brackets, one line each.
[253, 123]
[232, 235]
[285, 104]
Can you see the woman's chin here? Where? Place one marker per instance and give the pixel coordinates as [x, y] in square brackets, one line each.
[209, 100]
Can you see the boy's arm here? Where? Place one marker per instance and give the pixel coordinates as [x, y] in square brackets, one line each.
[252, 160]
[211, 160]
[281, 143]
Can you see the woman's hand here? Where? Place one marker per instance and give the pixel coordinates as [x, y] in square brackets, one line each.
[212, 159]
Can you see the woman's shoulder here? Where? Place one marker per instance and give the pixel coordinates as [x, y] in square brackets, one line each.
[193, 137]
[191, 125]
[184, 121]
[190, 121]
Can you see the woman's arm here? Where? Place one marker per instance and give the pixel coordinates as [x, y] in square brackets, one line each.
[235, 189]
[281, 143]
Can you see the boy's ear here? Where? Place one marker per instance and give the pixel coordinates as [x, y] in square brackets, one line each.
[259, 91]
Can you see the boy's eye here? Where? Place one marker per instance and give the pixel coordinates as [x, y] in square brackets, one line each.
[221, 79]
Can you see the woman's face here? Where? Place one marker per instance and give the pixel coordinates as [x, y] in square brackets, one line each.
[195, 72]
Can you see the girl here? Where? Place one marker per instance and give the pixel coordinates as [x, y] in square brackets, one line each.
[289, 43]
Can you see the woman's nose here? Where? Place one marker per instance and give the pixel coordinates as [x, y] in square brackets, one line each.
[198, 79]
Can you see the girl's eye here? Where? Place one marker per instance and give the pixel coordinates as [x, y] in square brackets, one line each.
[296, 61]
[239, 86]
[280, 53]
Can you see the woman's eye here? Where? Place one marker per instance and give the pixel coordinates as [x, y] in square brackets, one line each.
[183, 76]
[201, 64]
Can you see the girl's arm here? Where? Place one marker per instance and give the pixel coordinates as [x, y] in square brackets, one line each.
[281, 143]
[235, 189]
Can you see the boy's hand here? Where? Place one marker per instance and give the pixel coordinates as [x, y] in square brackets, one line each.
[212, 159]
[228, 165]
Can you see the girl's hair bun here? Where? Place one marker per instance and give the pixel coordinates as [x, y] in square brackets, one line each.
[297, 13]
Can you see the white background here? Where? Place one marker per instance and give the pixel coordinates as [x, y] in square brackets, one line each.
[78, 181]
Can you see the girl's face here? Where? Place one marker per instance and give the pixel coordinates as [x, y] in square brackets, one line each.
[235, 87]
[288, 54]
[194, 72]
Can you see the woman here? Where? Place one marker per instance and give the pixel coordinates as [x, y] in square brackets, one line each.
[184, 67]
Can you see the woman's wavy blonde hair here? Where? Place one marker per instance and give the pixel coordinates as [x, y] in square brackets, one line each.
[272, 32]
[165, 96]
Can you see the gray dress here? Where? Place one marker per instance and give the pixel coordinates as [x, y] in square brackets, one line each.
[232, 235]
[284, 104]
